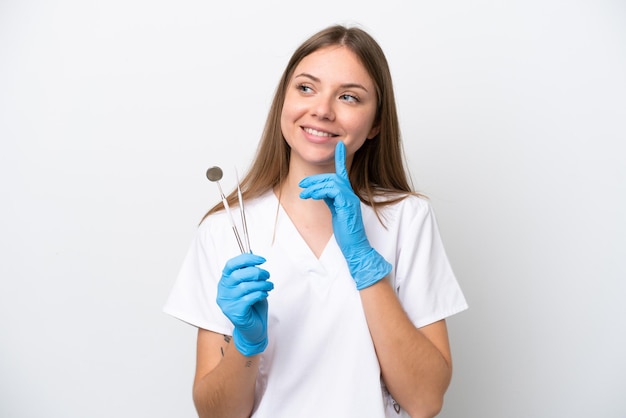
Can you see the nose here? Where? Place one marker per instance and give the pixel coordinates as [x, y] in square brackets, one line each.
[323, 108]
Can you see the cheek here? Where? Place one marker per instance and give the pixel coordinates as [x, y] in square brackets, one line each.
[286, 110]
[289, 115]
[362, 124]
[286, 123]
[285, 117]
[291, 107]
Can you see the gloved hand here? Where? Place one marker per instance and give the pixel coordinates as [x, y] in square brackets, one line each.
[366, 265]
[242, 296]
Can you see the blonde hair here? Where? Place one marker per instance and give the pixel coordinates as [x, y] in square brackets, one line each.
[378, 167]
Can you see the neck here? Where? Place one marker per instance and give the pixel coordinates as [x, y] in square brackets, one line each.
[289, 194]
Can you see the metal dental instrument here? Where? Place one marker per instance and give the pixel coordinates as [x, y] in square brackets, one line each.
[243, 215]
[214, 174]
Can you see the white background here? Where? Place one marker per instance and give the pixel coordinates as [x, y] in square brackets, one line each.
[514, 120]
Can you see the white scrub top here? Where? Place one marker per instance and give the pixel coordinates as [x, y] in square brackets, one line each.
[320, 360]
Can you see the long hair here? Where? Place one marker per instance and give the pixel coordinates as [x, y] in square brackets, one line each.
[378, 167]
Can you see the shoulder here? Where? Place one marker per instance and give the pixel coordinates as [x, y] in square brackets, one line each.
[402, 207]
[264, 201]
[401, 215]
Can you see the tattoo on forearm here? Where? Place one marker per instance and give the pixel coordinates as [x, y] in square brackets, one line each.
[227, 338]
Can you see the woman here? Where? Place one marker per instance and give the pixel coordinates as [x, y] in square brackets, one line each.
[352, 323]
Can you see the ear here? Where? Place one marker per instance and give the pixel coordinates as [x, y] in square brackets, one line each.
[373, 132]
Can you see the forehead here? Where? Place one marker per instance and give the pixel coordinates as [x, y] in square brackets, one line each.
[334, 63]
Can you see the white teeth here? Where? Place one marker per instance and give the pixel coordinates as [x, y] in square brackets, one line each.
[316, 133]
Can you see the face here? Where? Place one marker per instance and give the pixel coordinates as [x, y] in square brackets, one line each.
[329, 98]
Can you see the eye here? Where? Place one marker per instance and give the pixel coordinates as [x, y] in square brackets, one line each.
[304, 88]
[349, 98]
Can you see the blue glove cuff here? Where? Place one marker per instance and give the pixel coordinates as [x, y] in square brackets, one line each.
[245, 347]
[369, 269]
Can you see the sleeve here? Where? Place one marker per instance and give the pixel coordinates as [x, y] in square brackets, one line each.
[424, 280]
[193, 296]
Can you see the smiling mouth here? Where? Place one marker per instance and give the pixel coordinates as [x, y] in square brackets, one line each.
[321, 134]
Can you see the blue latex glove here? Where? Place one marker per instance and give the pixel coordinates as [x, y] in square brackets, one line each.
[366, 265]
[242, 296]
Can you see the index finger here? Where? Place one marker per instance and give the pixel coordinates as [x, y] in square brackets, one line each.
[242, 260]
[340, 160]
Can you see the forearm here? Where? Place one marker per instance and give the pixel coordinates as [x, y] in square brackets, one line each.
[414, 369]
[226, 372]
[227, 391]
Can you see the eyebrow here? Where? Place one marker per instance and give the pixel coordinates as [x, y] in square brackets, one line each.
[345, 86]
